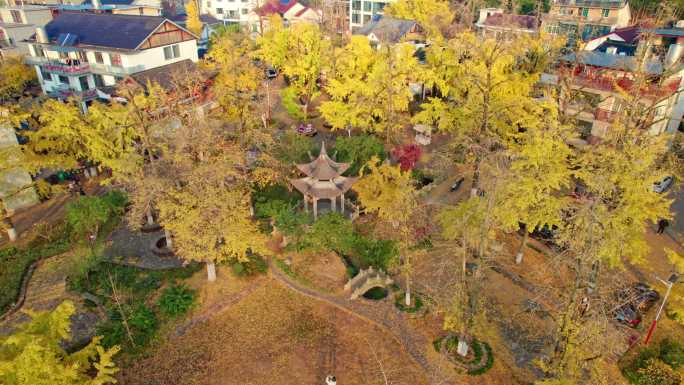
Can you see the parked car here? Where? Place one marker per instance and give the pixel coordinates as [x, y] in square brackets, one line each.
[306, 130]
[545, 234]
[457, 184]
[663, 185]
[271, 73]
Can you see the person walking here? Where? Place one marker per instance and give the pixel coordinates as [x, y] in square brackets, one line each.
[662, 225]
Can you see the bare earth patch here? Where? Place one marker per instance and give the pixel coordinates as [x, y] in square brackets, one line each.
[274, 336]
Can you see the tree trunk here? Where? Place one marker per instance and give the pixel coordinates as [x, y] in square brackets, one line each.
[12, 234]
[521, 250]
[211, 271]
[169, 242]
[150, 218]
[407, 297]
[462, 348]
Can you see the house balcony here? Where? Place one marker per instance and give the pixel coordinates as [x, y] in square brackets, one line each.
[105, 69]
[577, 19]
[609, 84]
[59, 67]
[593, 3]
[64, 92]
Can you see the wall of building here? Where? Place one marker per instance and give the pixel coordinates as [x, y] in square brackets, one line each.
[231, 10]
[361, 12]
[154, 57]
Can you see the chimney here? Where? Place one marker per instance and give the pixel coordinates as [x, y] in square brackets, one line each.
[41, 35]
[96, 4]
[674, 53]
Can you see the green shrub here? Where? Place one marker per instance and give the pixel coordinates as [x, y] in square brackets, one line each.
[292, 147]
[488, 364]
[672, 353]
[255, 265]
[437, 344]
[290, 102]
[176, 300]
[331, 231]
[144, 324]
[358, 150]
[89, 213]
[400, 304]
[379, 253]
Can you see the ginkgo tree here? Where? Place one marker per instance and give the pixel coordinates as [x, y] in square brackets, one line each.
[34, 355]
[207, 209]
[299, 52]
[193, 22]
[435, 16]
[371, 87]
[389, 193]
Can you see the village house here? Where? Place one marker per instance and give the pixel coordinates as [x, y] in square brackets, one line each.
[586, 18]
[73, 58]
[493, 22]
[291, 11]
[18, 23]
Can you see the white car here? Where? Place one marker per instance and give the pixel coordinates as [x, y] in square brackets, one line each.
[663, 185]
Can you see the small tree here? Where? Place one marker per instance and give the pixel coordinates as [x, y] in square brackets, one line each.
[193, 22]
[34, 354]
[358, 150]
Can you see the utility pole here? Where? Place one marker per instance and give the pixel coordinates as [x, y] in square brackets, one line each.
[669, 283]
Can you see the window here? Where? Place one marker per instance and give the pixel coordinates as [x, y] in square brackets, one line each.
[98, 58]
[355, 18]
[16, 16]
[83, 81]
[116, 59]
[356, 5]
[171, 52]
[40, 52]
[563, 11]
[99, 80]
[244, 11]
[367, 6]
[219, 11]
[585, 12]
[233, 14]
[366, 19]
[63, 79]
[82, 57]
[605, 12]
[63, 55]
[45, 75]
[378, 7]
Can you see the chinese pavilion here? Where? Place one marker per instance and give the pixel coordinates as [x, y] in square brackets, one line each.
[323, 180]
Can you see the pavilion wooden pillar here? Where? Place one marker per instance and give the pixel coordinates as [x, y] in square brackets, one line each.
[333, 204]
[342, 203]
[315, 207]
[306, 203]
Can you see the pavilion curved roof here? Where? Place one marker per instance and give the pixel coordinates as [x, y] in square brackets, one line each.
[323, 168]
[323, 189]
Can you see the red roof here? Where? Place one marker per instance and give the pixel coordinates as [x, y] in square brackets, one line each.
[301, 11]
[276, 6]
[628, 34]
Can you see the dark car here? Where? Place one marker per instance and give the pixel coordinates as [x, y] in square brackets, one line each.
[457, 184]
[271, 73]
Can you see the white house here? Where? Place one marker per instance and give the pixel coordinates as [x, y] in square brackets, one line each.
[17, 23]
[81, 54]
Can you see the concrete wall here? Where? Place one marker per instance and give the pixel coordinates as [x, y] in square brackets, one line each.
[16, 179]
[154, 57]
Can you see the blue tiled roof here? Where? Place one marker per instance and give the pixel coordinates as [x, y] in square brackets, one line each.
[103, 29]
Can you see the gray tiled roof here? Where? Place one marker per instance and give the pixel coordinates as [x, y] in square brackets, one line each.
[103, 29]
[387, 29]
[618, 62]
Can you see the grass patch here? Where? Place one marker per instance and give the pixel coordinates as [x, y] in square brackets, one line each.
[16, 261]
[290, 273]
[437, 344]
[399, 303]
[490, 358]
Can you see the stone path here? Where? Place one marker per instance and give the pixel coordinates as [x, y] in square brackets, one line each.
[380, 313]
[45, 289]
[133, 248]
